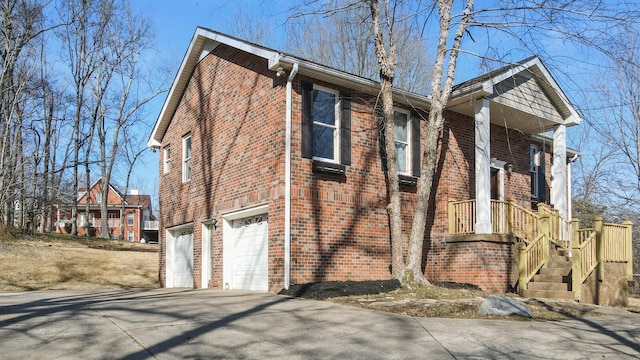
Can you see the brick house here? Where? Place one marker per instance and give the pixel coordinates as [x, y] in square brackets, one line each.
[271, 170]
[136, 220]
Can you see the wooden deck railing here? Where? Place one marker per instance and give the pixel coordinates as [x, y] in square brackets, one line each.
[506, 218]
[462, 217]
[559, 227]
[586, 252]
[499, 217]
[614, 236]
[590, 247]
[532, 257]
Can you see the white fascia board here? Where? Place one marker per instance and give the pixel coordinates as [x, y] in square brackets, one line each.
[235, 43]
[176, 90]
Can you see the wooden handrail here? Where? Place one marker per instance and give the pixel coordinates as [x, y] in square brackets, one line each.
[532, 258]
[587, 255]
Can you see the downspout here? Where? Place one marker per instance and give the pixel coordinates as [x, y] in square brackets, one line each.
[287, 180]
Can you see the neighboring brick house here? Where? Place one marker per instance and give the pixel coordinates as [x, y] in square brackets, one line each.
[271, 170]
[137, 220]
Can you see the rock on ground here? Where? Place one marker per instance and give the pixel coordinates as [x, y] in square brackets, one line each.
[504, 306]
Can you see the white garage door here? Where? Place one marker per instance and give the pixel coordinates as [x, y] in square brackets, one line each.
[247, 254]
[182, 264]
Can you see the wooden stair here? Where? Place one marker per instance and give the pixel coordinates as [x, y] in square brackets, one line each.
[554, 280]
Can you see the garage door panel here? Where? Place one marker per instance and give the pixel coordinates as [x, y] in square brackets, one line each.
[182, 259]
[248, 253]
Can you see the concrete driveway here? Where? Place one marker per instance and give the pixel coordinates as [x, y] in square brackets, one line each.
[198, 324]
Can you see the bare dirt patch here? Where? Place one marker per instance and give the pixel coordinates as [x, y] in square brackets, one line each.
[53, 262]
[444, 300]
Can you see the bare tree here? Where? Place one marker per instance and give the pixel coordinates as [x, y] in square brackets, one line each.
[609, 172]
[129, 89]
[84, 41]
[441, 84]
[344, 40]
[249, 28]
[105, 44]
[22, 22]
[132, 153]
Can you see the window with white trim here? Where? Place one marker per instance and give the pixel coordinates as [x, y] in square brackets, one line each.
[166, 159]
[186, 158]
[130, 219]
[402, 134]
[326, 124]
[130, 235]
[98, 197]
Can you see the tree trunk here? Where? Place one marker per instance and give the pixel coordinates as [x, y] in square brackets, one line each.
[440, 96]
[386, 61]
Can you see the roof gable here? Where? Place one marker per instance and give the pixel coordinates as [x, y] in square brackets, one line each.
[113, 195]
[525, 94]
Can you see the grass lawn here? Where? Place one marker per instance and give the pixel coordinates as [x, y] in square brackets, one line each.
[63, 262]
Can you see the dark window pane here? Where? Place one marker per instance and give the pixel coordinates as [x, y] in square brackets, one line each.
[324, 107]
[400, 127]
[323, 141]
[401, 149]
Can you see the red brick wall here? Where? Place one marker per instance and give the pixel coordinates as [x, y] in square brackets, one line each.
[487, 264]
[340, 226]
[234, 110]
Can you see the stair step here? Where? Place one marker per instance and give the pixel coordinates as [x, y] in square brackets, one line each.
[549, 294]
[539, 285]
[559, 258]
[555, 271]
[552, 278]
[559, 265]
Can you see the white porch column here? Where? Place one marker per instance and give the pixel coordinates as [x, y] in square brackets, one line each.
[483, 167]
[559, 170]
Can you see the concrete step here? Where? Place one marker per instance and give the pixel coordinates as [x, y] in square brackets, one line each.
[549, 294]
[540, 285]
[559, 265]
[552, 278]
[555, 271]
[561, 258]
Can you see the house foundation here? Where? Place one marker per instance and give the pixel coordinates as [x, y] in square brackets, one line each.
[485, 260]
